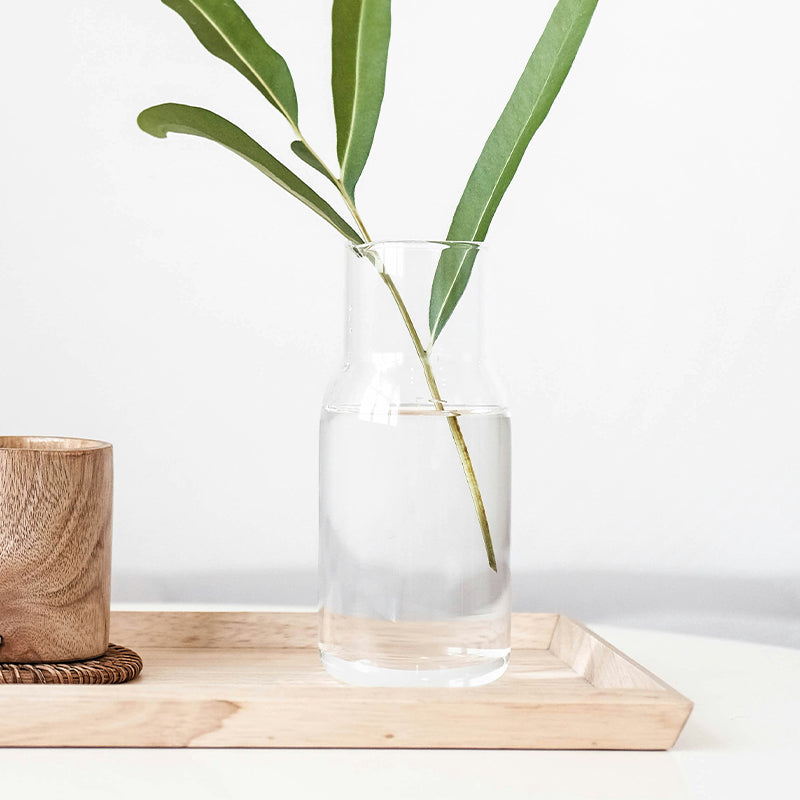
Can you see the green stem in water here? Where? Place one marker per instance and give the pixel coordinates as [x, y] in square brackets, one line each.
[452, 421]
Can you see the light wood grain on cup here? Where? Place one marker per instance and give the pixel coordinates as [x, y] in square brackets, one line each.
[55, 548]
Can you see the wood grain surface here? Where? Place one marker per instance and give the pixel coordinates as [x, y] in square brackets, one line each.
[222, 679]
[55, 548]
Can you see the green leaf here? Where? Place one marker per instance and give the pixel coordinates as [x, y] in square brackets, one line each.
[300, 149]
[360, 46]
[449, 282]
[226, 32]
[177, 118]
[525, 111]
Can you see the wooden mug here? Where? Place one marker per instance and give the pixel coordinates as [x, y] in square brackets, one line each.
[55, 548]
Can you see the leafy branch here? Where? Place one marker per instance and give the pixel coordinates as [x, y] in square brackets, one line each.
[526, 109]
[360, 44]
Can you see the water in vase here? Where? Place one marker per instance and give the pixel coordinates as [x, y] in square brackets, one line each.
[407, 595]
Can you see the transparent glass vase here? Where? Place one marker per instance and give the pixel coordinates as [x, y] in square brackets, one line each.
[415, 480]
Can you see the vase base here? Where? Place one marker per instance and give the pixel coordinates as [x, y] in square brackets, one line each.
[366, 673]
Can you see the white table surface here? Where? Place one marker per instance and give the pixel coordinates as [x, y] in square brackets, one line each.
[742, 741]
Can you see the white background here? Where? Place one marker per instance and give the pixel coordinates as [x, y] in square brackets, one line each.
[644, 291]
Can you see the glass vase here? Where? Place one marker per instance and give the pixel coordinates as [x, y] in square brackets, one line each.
[415, 480]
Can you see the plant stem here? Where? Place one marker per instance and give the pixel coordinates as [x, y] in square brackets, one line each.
[349, 202]
[452, 421]
[422, 354]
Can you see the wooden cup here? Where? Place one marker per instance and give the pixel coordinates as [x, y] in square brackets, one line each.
[55, 548]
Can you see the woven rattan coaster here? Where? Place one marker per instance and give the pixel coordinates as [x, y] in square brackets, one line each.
[116, 665]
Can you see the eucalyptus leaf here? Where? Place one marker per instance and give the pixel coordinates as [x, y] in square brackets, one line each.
[360, 46]
[177, 118]
[226, 32]
[525, 111]
[301, 150]
[449, 283]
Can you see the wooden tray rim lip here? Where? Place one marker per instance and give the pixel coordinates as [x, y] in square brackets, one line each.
[665, 687]
[375, 696]
[664, 695]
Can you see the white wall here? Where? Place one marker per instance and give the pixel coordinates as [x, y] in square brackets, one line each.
[644, 303]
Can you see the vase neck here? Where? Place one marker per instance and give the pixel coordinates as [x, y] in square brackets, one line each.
[389, 289]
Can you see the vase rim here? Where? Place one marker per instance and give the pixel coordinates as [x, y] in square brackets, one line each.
[360, 248]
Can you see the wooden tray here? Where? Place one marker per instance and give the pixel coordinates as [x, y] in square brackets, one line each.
[224, 679]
